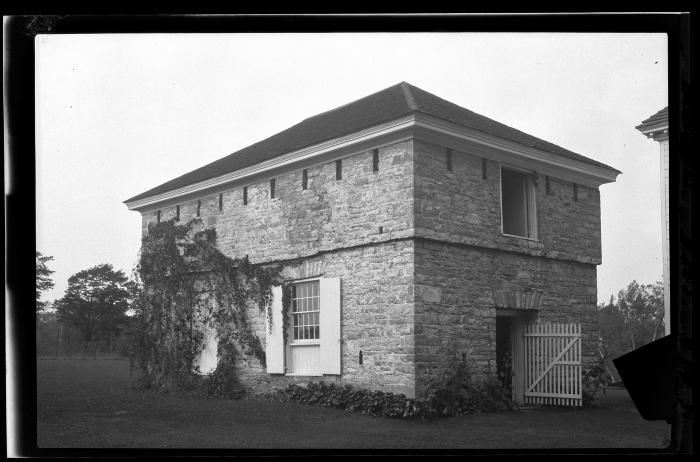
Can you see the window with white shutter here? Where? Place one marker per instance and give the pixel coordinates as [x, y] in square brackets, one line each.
[313, 336]
[330, 325]
[274, 340]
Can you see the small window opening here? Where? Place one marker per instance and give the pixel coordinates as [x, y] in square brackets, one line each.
[221, 201]
[304, 179]
[375, 160]
[547, 187]
[177, 212]
[575, 192]
[339, 169]
[448, 159]
[245, 195]
[199, 206]
[272, 188]
[518, 204]
[158, 216]
[483, 169]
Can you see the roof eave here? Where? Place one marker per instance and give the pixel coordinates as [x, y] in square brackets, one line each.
[340, 144]
[482, 144]
[416, 124]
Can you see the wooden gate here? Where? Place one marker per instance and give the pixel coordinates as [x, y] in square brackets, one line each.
[553, 364]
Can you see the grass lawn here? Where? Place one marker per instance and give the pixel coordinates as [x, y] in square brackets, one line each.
[90, 404]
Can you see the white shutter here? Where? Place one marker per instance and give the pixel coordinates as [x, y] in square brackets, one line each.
[206, 361]
[274, 340]
[330, 325]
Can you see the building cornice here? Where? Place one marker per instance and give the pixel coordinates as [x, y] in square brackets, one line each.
[416, 125]
[658, 132]
[278, 162]
[510, 152]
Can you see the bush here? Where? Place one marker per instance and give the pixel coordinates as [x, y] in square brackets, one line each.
[349, 398]
[452, 393]
[594, 382]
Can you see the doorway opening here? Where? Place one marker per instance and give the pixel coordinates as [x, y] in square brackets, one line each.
[504, 352]
[510, 349]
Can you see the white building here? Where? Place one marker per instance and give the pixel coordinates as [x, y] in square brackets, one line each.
[656, 128]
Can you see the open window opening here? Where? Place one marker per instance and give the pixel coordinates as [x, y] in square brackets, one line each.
[518, 210]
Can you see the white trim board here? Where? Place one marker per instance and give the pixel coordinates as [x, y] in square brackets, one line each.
[416, 125]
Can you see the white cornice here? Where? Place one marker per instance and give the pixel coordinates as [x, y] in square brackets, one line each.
[277, 162]
[658, 132]
[503, 150]
[420, 125]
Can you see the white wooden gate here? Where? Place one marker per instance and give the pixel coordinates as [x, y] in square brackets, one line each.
[553, 364]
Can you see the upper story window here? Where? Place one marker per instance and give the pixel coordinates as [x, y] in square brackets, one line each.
[518, 208]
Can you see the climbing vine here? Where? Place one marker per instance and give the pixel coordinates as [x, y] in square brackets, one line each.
[189, 284]
[286, 303]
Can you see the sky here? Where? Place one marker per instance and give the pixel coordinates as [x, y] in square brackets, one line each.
[118, 114]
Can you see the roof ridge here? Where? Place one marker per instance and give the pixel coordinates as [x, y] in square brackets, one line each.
[406, 87]
[352, 102]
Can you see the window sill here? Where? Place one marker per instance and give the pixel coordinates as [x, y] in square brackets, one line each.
[307, 343]
[303, 375]
[520, 237]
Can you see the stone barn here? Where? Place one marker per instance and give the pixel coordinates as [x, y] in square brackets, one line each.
[414, 231]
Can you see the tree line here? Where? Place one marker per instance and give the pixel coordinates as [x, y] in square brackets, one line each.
[632, 320]
[93, 316]
[91, 319]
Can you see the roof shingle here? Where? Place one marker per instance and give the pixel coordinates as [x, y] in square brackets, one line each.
[383, 106]
[659, 117]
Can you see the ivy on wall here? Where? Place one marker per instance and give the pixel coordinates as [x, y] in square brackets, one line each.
[286, 302]
[188, 284]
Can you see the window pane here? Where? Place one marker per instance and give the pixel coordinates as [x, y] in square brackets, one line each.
[514, 198]
[305, 305]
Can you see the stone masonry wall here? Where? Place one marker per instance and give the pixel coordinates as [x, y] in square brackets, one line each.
[335, 224]
[329, 214]
[460, 206]
[410, 229]
[376, 318]
[462, 258]
[455, 310]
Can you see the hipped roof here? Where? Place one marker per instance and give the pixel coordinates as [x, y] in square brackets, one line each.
[391, 103]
